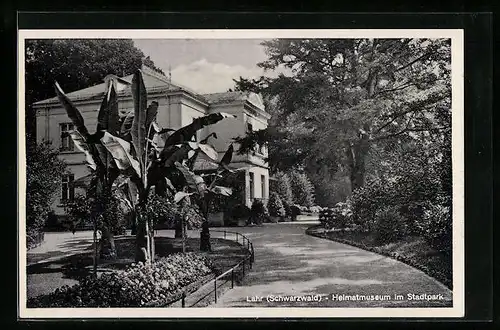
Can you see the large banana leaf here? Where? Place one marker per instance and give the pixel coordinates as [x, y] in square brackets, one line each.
[205, 140]
[187, 132]
[225, 191]
[84, 147]
[180, 195]
[151, 112]
[228, 156]
[108, 118]
[85, 180]
[159, 136]
[126, 126]
[226, 159]
[73, 113]
[183, 152]
[120, 150]
[138, 130]
[209, 151]
[192, 180]
[109, 163]
[133, 192]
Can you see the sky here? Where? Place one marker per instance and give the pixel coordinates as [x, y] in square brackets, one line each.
[206, 65]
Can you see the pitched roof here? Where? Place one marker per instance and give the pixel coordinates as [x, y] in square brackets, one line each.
[153, 81]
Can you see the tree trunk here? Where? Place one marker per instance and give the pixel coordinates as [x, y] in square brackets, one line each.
[205, 232]
[141, 239]
[133, 225]
[178, 227]
[205, 237]
[183, 226]
[108, 249]
[356, 155]
[152, 243]
[96, 251]
[357, 178]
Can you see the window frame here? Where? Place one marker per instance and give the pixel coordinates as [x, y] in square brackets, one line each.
[263, 185]
[67, 144]
[251, 183]
[67, 187]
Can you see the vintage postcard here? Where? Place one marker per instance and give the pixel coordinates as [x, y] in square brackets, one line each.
[241, 173]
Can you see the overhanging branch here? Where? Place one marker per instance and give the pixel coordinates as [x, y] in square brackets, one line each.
[415, 129]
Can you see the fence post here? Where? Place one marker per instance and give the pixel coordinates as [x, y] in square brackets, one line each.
[224, 234]
[236, 237]
[244, 261]
[232, 278]
[183, 299]
[215, 291]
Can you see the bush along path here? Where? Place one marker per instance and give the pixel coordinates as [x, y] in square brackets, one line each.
[412, 251]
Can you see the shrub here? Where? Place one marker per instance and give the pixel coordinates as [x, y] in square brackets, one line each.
[326, 218]
[258, 212]
[336, 217]
[302, 188]
[191, 213]
[83, 209]
[388, 225]
[295, 211]
[43, 174]
[436, 227]
[160, 209]
[240, 211]
[367, 200]
[283, 187]
[139, 285]
[275, 204]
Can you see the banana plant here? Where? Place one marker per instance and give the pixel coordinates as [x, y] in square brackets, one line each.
[155, 157]
[103, 169]
[147, 155]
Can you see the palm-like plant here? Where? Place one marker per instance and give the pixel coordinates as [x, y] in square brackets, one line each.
[146, 155]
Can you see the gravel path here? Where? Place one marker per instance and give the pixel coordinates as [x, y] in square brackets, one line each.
[290, 263]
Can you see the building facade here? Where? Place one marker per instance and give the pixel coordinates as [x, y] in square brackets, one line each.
[178, 106]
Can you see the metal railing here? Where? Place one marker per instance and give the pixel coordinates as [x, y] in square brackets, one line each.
[233, 275]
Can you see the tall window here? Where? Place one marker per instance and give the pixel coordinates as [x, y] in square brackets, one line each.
[67, 189]
[66, 141]
[263, 185]
[252, 192]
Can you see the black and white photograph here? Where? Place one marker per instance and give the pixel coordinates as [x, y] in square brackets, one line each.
[233, 173]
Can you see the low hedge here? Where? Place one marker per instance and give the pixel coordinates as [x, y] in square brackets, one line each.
[139, 285]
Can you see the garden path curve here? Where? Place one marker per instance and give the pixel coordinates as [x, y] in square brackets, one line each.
[290, 262]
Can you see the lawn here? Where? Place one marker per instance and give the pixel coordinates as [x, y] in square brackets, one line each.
[413, 251]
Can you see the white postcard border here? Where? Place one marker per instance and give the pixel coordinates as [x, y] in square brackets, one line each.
[457, 37]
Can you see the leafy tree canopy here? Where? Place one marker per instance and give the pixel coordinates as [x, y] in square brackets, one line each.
[347, 96]
[76, 64]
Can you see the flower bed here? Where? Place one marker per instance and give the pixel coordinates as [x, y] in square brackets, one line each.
[139, 285]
